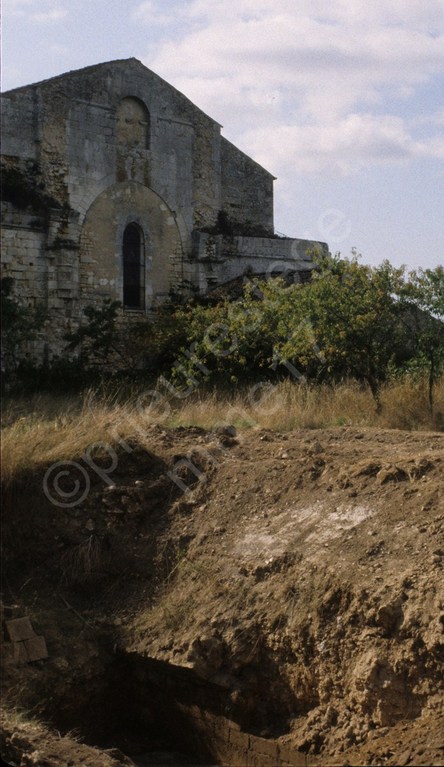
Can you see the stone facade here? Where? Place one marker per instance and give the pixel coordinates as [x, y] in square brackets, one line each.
[116, 185]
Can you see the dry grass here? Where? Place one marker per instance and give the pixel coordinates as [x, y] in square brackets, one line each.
[44, 430]
[56, 430]
[288, 406]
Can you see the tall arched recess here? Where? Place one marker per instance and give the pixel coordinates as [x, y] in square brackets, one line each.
[133, 124]
[158, 244]
[133, 254]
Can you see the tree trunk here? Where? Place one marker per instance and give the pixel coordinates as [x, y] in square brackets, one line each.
[375, 390]
[431, 381]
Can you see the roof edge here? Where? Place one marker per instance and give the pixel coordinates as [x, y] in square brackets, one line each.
[85, 70]
[71, 72]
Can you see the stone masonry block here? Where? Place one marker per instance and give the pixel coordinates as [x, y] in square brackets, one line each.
[263, 746]
[19, 653]
[261, 760]
[36, 648]
[240, 740]
[293, 757]
[234, 757]
[19, 629]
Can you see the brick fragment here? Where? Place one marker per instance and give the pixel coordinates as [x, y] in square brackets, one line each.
[36, 648]
[19, 629]
[19, 653]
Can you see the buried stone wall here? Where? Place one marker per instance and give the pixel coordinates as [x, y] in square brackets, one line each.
[191, 713]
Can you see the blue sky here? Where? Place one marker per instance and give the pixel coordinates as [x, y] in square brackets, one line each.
[343, 100]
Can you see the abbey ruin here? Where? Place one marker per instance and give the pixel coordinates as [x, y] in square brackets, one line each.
[116, 185]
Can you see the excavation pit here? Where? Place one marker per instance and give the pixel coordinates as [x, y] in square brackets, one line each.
[153, 713]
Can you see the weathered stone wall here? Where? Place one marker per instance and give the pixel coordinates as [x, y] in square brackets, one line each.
[221, 259]
[173, 701]
[247, 189]
[233, 748]
[20, 118]
[22, 244]
[74, 119]
[94, 150]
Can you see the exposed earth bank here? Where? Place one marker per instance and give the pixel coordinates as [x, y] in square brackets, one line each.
[291, 584]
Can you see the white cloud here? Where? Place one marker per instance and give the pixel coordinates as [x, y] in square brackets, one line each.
[37, 11]
[53, 14]
[149, 13]
[337, 148]
[326, 80]
[353, 13]
[14, 6]
[323, 65]
[435, 118]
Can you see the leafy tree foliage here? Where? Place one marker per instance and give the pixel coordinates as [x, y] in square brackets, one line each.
[345, 322]
[355, 319]
[422, 295]
[349, 321]
[20, 326]
[98, 338]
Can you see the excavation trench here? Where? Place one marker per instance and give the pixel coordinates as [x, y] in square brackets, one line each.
[304, 576]
[157, 713]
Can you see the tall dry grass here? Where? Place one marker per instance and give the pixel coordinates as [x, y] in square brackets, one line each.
[59, 429]
[288, 406]
[42, 430]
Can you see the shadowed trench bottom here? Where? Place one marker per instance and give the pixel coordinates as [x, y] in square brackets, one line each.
[168, 759]
[160, 714]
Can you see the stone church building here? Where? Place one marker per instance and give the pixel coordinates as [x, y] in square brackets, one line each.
[116, 185]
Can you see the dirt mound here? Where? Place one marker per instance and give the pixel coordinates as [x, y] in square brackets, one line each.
[31, 744]
[298, 575]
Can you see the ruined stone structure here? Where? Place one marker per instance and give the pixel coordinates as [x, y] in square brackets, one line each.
[116, 185]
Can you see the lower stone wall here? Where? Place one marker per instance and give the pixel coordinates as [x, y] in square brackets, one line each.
[220, 259]
[231, 747]
[189, 712]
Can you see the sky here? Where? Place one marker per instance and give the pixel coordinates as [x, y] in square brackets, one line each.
[342, 100]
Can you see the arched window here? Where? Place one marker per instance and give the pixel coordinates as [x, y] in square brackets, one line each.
[133, 268]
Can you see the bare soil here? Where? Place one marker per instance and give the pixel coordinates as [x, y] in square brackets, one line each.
[299, 574]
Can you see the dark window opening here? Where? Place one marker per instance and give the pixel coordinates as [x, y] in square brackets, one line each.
[133, 268]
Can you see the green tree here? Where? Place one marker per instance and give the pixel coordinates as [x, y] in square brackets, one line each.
[351, 312]
[344, 323]
[422, 297]
[348, 321]
[20, 326]
[99, 337]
